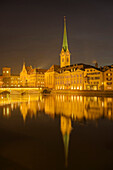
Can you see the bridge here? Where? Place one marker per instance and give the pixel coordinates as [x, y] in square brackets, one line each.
[21, 90]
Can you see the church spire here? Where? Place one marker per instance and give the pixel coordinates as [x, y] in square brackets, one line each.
[65, 43]
[65, 54]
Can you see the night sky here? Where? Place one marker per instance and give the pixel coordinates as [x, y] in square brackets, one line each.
[32, 31]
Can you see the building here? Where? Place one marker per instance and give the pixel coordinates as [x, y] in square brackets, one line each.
[108, 78]
[65, 54]
[50, 76]
[93, 78]
[70, 79]
[24, 76]
[30, 77]
[6, 71]
[15, 81]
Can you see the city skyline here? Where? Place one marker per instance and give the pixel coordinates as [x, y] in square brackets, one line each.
[33, 32]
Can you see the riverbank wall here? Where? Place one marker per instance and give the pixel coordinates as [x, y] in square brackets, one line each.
[84, 92]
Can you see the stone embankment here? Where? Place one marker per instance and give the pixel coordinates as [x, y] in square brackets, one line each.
[84, 92]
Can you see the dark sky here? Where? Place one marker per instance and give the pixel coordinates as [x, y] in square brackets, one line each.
[32, 31]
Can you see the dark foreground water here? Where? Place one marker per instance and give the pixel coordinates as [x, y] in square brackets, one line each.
[56, 132]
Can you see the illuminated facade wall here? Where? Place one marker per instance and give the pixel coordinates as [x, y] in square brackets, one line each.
[108, 79]
[50, 76]
[6, 71]
[40, 78]
[73, 79]
[93, 79]
[15, 81]
[24, 76]
[32, 77]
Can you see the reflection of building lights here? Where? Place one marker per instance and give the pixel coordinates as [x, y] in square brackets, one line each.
[81, 98]
[12, 106]
[109, 99]
[109, 113]
[95, 98]
[72, 98]
[7, 110]
[80, 87]
[63, 97]
[77, 97]
[4, 111]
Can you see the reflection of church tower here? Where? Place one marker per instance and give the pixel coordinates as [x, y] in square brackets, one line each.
[66, 130]
[65, 54]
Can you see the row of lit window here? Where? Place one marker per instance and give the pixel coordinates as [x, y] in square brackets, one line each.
[94, 82]
[93, 78]
[93, 73]
[68, 82]
[69, 76]
[5, 71]
[90, 70]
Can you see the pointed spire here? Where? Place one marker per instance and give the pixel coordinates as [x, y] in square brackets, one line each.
[65, 43]
[66, 147]
[23, 65]
[66, 130]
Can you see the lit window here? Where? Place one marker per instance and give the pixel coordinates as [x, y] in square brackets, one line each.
[7, 71]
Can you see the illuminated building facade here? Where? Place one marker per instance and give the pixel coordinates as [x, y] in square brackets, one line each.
[32, 77]
[50, 76]
[24, 76]
[108, 78]
[70, 79]
[9, 80]
[93, 79]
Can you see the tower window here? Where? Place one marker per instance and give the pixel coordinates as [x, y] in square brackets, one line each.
[67, 59]
[62, 59]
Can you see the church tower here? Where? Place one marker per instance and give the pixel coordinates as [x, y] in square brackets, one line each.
[65, 54]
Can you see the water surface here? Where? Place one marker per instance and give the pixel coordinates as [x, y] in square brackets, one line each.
[56, 132]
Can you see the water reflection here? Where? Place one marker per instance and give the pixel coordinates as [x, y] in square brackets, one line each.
[66, 130]
[68, 107]
[75, 107]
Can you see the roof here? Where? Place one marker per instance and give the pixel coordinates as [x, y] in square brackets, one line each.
[54, 68]
[41, 70]
[65, 43]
